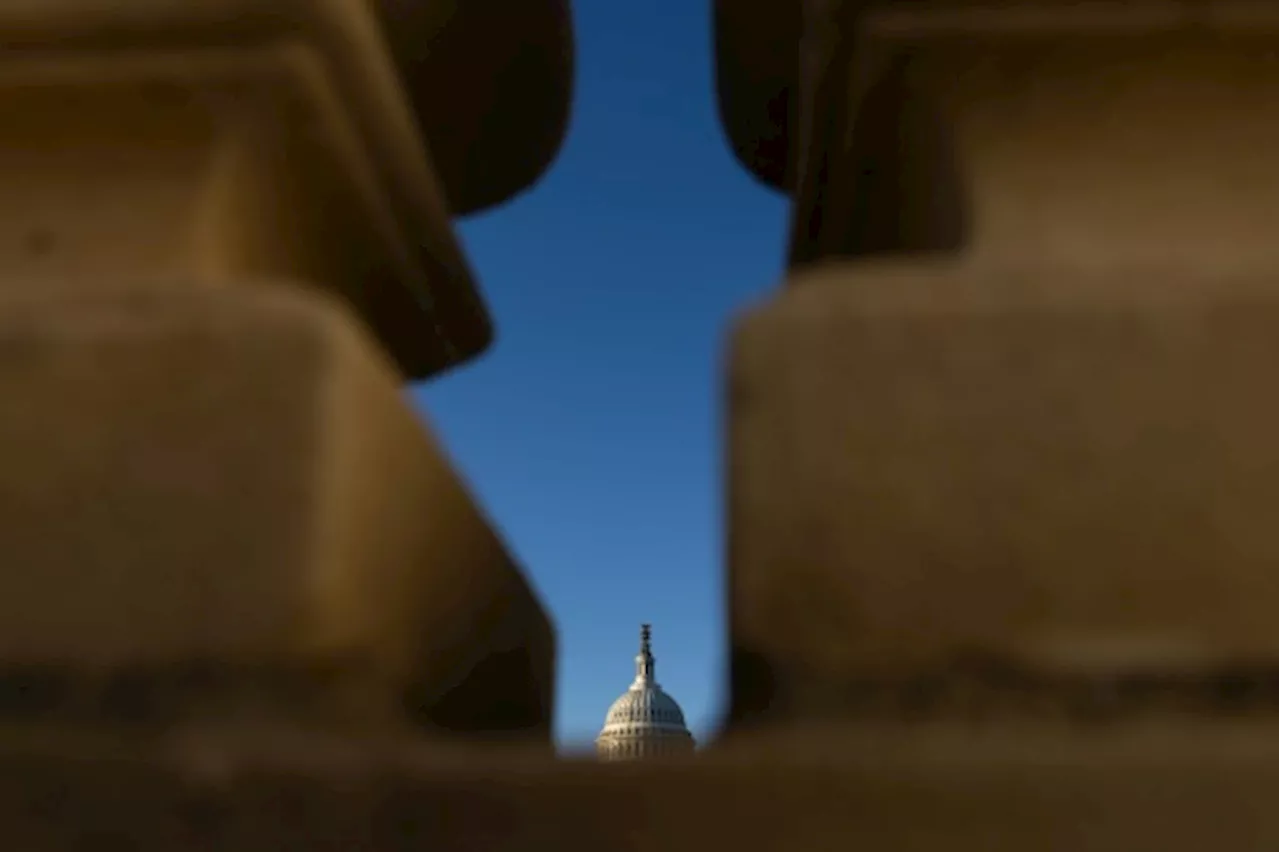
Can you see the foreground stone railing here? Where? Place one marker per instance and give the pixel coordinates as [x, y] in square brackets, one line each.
[226, 248]
[1000, 554]
[1015, 407]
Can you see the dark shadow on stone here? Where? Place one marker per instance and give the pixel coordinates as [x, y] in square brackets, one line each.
[491, 83]
[753, 690]
[34, 692]
[757, 61]
[887, 179]
[503, 694]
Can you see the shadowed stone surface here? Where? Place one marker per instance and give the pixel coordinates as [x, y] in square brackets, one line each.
[1144, 788]
[758, 52]
[231, 479]
[225, 139]
[1073, 133]
[1073, 470]
[502, 73]
[1000, 558]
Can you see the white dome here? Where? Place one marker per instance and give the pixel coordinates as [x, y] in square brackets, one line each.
[644, 721]
[648, 706]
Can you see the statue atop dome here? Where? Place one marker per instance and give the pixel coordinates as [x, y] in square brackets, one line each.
[644, 660]
[645, 722]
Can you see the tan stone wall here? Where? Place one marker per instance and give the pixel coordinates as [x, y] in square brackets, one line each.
[224, 248]
[1000, 563]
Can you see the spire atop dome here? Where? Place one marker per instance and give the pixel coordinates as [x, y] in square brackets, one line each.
[644, 660]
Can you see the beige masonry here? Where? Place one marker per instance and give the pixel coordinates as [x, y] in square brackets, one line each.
[1000, 455]
[223, 248]
[999, 499]
[203, 142]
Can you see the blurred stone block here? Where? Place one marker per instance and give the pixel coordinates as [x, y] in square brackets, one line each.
[1089, 137]
[215, 496]
[502, 72]
[1039, 131]
[1189, 788]
[1062, 468]
[223, 140]
[758, 49]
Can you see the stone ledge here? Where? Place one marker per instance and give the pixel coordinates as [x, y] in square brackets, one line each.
[1064, 468]
[1149, 788]
[1064, 17]
[231, 139]
[230, 480]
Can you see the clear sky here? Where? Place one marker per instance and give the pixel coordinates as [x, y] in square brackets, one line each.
[591, 432]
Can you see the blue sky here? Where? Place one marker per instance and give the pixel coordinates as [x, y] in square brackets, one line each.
[591, 431]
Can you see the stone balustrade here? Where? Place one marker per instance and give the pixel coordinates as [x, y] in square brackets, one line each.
[1000, 568]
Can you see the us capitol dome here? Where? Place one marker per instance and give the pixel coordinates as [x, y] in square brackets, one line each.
[645, 722]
